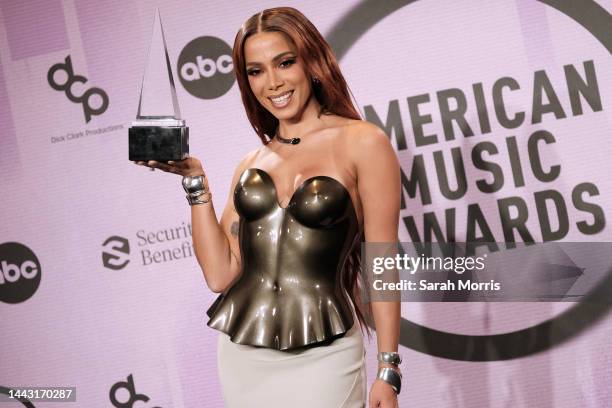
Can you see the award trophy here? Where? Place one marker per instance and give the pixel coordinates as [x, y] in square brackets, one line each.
[158, 133]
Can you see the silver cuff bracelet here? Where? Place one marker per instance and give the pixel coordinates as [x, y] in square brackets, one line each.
[390, 357]
[196, 188]
[201, 198]
[391, 377]
[195, 185]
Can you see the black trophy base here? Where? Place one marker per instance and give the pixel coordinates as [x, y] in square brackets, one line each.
[159, 143]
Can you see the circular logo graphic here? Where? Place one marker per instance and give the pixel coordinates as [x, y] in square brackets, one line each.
[519, 343]
[205, 67]
[19, 272]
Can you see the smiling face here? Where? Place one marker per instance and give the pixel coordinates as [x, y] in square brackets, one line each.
[277, 76]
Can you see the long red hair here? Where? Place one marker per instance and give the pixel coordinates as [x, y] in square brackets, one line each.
[329, 88]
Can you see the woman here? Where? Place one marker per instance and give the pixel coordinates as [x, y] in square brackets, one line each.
[285, 255]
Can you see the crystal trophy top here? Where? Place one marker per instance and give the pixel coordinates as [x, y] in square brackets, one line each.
[158, 133]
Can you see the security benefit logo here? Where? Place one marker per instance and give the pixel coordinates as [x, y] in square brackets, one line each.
[123, 394]
[20, 272]
[61, 77]
[205, 67]
[154, 247]
[115, 252]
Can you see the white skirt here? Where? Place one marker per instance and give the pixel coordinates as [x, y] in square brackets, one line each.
[327, 376]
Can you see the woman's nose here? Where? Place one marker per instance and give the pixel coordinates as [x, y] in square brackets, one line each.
[274, 81]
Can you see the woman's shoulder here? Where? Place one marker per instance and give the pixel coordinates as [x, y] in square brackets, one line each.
[247, 161]
[361, 134]
[364, 143]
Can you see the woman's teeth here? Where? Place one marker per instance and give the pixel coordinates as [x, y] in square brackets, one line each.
[282, 101]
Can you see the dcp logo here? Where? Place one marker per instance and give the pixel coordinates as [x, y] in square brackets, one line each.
[205, 67]
[19, 272]
[66, 86]
[116, 252]
[126, 387]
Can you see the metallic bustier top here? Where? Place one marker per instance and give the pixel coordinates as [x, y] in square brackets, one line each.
[289, 294]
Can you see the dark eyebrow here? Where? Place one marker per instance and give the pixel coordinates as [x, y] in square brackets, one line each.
[279, 56]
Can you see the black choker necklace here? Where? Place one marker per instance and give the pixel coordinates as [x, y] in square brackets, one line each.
[293, 140]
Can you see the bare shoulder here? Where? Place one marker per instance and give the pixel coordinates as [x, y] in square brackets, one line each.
[362, 136]
[248, 160]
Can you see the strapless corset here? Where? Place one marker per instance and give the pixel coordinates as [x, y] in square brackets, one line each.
[290, 292]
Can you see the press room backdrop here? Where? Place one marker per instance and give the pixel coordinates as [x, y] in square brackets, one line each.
[109, 297]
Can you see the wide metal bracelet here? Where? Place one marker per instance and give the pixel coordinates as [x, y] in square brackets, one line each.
[195, 185]
[197, 193]
[391, 377]
[390, 357]
[202, 198]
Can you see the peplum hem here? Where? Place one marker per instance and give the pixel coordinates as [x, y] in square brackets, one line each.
[294, 322]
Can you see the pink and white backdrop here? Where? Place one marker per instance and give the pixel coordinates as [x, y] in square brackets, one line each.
[109, 290]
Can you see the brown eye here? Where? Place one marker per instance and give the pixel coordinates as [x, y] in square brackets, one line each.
[252, 72]
[287, 63]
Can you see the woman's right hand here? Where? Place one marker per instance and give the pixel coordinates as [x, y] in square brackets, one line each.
[190, 166]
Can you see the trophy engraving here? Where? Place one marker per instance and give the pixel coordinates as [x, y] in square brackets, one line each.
[158, 133]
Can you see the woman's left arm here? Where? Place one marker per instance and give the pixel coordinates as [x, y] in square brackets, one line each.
[379, 188]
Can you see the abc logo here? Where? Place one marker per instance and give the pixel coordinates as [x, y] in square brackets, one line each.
[19, 272]
[205, 67]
